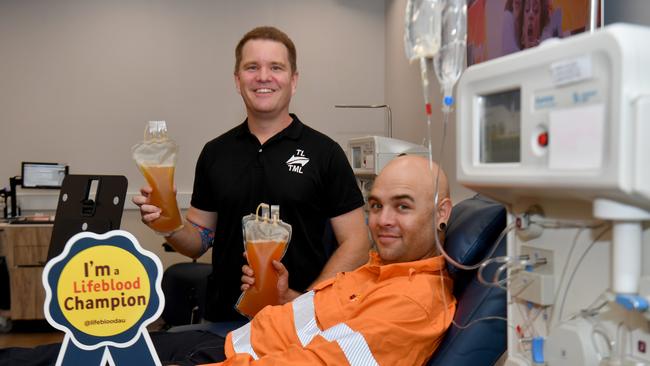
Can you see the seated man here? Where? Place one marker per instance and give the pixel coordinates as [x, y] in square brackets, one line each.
[403, 296]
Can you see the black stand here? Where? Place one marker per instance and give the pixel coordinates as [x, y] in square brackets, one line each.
[13, 183]
[11, 196]
[77, 211]
[4, 194]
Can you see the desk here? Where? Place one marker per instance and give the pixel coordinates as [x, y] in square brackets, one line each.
[25, 247]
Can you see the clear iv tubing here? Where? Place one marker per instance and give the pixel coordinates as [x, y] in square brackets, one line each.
[447, 101]
[508, 262]
[427, 110]
[505, 262]
[454, 16]
[446, 112]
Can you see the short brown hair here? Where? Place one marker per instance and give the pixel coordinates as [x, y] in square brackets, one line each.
[271, 34]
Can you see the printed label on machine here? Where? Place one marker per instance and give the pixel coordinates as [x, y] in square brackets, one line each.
[590, 92]
[569, 71]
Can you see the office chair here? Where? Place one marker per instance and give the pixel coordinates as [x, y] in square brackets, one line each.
[184, 285]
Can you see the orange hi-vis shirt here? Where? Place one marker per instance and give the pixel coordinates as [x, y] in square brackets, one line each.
[393, 314]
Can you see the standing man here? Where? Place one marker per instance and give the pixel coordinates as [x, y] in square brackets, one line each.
[271, 157]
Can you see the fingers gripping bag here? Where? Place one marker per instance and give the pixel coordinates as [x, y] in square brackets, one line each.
[266, 238]
[156, 159]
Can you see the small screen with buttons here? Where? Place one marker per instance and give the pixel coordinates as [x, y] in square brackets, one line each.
[500, 127]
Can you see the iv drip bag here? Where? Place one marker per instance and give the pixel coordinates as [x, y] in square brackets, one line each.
[422, 28]
[450, 59]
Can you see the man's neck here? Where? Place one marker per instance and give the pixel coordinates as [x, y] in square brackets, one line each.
[266, 127]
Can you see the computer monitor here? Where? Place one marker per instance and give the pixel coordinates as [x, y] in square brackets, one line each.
[43, 175]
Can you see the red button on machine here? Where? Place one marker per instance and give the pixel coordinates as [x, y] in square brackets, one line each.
[542, 139]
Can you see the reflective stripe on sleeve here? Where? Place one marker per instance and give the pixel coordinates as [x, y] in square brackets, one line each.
[304, 318]
[241, 341]
[352, 343]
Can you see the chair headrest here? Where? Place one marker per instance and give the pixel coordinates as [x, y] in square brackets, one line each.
[474, 225]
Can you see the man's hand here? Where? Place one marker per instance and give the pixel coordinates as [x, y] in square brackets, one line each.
[285, 294]
[247, 277]
[148, 212]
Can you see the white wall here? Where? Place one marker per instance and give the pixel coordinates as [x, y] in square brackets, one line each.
[627, 11]
[79, 79]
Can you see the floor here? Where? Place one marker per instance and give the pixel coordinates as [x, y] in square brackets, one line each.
[31, 333]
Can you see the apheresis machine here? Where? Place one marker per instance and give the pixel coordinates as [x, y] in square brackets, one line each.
[561, 135]
[368, 155]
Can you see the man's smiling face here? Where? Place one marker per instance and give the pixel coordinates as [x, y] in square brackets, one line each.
[265, 79]
[401, 211]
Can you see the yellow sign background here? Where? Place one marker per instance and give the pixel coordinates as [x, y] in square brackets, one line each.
[104, 310]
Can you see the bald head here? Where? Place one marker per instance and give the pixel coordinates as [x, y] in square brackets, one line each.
[402, 210]
[417, 169]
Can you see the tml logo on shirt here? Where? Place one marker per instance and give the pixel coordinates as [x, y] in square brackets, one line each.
[297, 161]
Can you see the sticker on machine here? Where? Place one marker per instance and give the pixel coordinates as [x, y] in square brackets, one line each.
[576, 138]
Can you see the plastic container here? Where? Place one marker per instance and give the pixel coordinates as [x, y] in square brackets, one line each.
[156, 159]
[422, 28]
[266, 239]
[449, 62]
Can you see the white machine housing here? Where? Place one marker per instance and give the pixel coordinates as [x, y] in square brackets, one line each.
[560, 134]
[369, 154]
[590, 95]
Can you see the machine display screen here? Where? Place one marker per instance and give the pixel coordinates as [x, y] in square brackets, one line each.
[500, 127]
[356, 157]
[43, 175]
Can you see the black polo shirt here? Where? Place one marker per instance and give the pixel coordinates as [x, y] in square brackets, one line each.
[300, 169]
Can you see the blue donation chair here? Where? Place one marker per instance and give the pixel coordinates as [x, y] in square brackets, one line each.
[474, 226]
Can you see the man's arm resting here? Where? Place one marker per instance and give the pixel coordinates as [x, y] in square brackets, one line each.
[352, 235]
[319, 352]
[372, 338]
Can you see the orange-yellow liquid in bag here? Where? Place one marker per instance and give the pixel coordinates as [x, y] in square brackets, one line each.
[161, 180]
[264, 292]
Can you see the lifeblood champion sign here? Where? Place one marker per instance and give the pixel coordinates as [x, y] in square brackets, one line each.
[102, 291]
